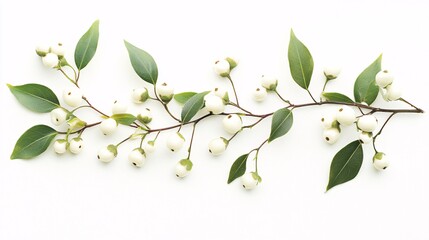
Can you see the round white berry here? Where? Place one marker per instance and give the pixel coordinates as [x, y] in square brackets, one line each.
[269, 82]
[58, 116]
[222, 67]
[331, 135]
[50, 60]
[60, 146]
[145, 116]
[76, 145]
[42, 49]
[367, 123]
[380, 161]
[346, 115]
[331, 72]
[58, 49]
[149, 146]
[108, 126]
[221, 92]
[393, 92]
[137, 157]
[175, 142]
[119, 107]
[72, 96]
[107, 154]
[328, 120]
[232, 123]
[165, 92]
[183, 168]
[250, 180]
[365, 137]
[217, 146]
[260, 94]
[214, 104]
[383, 78]
[140, 95]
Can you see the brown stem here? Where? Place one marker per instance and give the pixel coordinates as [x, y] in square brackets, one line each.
[233, 88]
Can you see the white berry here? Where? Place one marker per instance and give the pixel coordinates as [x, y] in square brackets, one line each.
[365, 137]
[367, 123]
[250, 180]
[175, 142]
[328, 120]
[380, 161]
[221, 92]
[393, 92]
[58, 116]
[183, 168]
[108, 126]
[145, 116]
[137, 157]
[269, 82]
[232, 123]
[165, 92]
[140, 95]
[149, 146]
[217, 146]
[383, 78]
[72, 96]
[346, 115]
[331, 72]
[107, 154]
[50, 60]
[76, 145]
[119, 107]
[58, 49]
[260, 94]
[214, 104]
[222, 67]
[383, 92]
[60, 146]
[42, 49]
[331, 135]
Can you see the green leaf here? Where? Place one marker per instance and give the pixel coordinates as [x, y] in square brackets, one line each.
[33, 142]
[143, 63]
[192, 106]
[124, 118]
[337, 97]
[281, 123]
[183, 97]
[86, 47]
[365, 89]
[300, 62]
[238, 168]
[346, 164]
[36, 97]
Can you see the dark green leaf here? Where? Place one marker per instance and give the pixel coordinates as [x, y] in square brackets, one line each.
[365, 89]
[183, 97]
[300, 62]
[238, 168]
[143, 63]
[346, 164]
[86, 47]
[281, 123]
[33, 142]
[36, 97]
[337, 97]
[192, 106]
[124, 118]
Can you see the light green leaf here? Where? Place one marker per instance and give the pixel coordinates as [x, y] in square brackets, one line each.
[36, 97]
[183, 97]
[192, 106]
[86, 47]
[143, 63]
[365, 89]
[238, 168]
[33, 142]
[281, 123]
[300, 61]
[124, 118]
[346, 164]
[336, 97]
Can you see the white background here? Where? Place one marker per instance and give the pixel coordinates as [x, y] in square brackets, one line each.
[77, 197]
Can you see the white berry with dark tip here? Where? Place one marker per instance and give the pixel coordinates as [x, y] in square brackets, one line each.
[165, 92]
[380, 161]
[250, 180]
[107, 154]
[108, 126]
[137, 157]
[383, 78]
[183, 168]
[259, 94]
[175, 142]
[222, 67]
[269, 82]
[145, 116]
[50, 60]
[58, 116]
[119, 107]
[217, 146]
[72, 96]
[214, 104]
[76, 145]
[328, 120]
[58, 49]
[367, 123]
[232, 123]
[331, 135]
[346, 115]
[60, 146]
[365, 137]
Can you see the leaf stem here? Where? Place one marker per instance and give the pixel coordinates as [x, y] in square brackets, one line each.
[314, 100]
[281, 98]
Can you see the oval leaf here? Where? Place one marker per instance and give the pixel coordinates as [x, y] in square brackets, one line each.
[86, 47]
[300, 62]
[143, 63]
[346, 164]
[36, 97]
[183, 97]
[192, 106]
[124, 118]
[281, 123]
[337, 97]
[33, 142]
[238, 168]
[365, 89]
